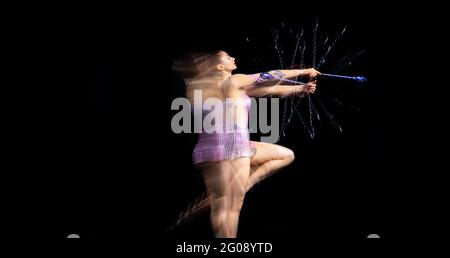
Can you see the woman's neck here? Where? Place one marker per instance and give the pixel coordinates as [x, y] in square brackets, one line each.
[224, 74]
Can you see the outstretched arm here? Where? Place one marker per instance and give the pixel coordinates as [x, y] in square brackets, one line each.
[281, 90]
[243, 81]
[311, 72]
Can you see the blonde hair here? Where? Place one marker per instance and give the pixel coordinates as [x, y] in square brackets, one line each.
[196, 69]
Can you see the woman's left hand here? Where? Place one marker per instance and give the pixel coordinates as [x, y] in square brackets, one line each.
[310, 87]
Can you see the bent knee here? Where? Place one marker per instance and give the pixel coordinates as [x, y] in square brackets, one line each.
[288, 155]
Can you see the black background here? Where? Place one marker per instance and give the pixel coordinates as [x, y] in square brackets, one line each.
[104, 163]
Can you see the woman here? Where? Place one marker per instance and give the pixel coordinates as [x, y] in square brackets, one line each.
[229, 162]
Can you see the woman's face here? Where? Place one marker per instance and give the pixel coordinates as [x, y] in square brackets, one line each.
[228, 61]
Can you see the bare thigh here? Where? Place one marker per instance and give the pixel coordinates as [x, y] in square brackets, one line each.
[267, 151]
[226, 178]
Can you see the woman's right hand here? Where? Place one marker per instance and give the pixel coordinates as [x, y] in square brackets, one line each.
[311, 72]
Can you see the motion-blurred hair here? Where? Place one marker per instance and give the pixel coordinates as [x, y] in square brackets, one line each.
[197, 64]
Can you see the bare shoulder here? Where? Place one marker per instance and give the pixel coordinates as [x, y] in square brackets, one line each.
[241, 80]
[240, 76]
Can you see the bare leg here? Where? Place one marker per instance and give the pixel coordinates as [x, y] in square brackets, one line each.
[238, 186]
[215, 178]
[269, 159]
[226, 181]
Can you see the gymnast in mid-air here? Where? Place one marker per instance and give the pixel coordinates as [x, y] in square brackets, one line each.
[229, 162]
